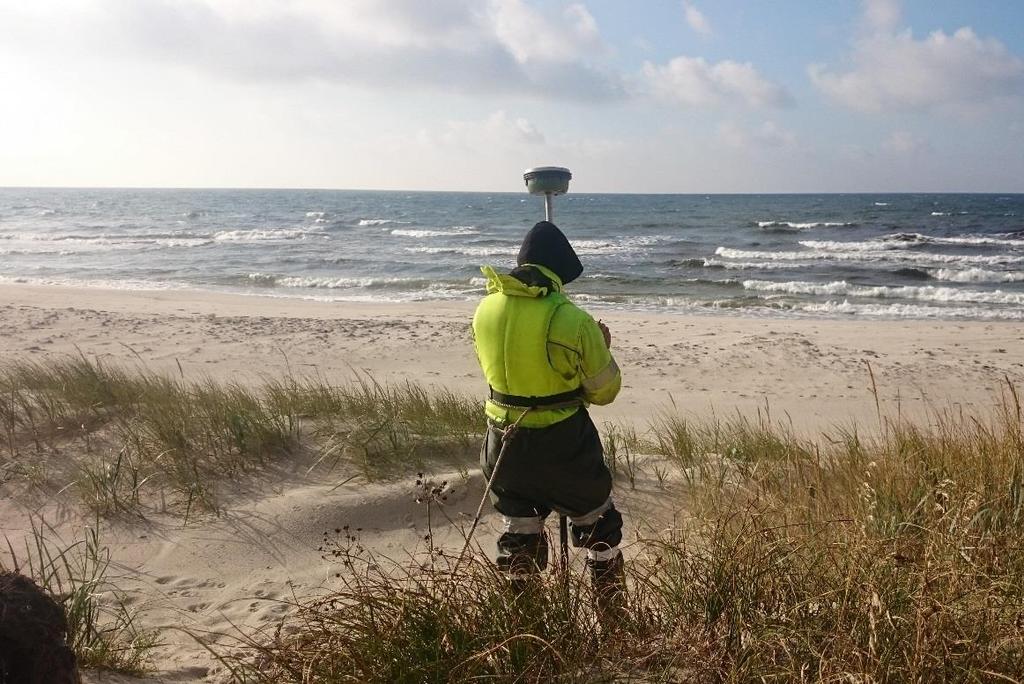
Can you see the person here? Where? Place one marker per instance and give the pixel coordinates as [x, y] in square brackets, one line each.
[543, 355]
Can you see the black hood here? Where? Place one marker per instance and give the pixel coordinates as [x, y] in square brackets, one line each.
[547, 246]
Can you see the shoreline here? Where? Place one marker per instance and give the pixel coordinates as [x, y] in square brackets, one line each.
[812, 370]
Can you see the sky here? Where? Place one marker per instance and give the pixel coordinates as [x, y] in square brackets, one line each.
[688, 96]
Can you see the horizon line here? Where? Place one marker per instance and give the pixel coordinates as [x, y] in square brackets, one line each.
[502, 192]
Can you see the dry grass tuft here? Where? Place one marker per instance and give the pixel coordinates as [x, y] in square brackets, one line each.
[890, 557]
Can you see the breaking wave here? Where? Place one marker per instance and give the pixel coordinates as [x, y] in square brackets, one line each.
[747, 265]
[265, 235]
[866, 246]
[380, 222]
[465, 251]
[268, 280]
[792, 226]
[869, 256]
[928, 293]
[454, 230]
[110, 240]
[976, 275]
[910, 311]
[912, 239]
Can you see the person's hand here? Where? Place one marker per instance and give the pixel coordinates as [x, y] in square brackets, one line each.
[607, 334]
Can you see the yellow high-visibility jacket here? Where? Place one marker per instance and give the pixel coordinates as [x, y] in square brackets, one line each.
[532, 341]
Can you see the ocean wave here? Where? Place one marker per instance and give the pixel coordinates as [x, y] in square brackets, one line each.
[453, 231]
[789, 226]
[134, 285]
[397, 289]
[912, 239]
[582, 247]
[95, 237]
[910, 311]
[865, 246]
[747, 265]
[868, 256]
[380, 222]
[927, 293]
[881, 204]
[183, 242]
[940, 213]
[465, 251]
[258, 235]
[109, 240]
[976, 275]
[316, 214]
[618, 246]
[330, 283]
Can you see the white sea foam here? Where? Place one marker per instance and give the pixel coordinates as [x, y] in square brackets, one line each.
[866, 246]
[102, 241]
[976, 275]
[315, 214]
[940, 213]
[139, 285]
[379, 222]
[910, 311]
[465, 251]
[265, 235]
[881, 204]
[454, 230]
[623, 245]
[927, 293]
[262, 278]
[27, 252]
[332, 283]
[902, 240]
[750, 265]
[868, 256]
[802, 225]
[329, 283]
[976, 240]
[183, 242]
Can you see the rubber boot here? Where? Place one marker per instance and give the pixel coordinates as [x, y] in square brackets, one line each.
[608, 579]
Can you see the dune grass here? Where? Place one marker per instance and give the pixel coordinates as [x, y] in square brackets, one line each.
[103, 629]
[859, 555]
[853, 557]
[134, 436]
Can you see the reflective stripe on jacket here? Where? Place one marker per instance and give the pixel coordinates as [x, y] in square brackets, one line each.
[532, 341]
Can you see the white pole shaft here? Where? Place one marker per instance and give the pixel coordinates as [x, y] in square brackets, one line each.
[549, 206]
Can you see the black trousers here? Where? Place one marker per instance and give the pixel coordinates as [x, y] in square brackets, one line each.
[557, 468]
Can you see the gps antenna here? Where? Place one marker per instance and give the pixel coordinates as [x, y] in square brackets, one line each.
[548, 181]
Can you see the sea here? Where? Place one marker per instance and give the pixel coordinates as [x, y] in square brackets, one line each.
[862, 256]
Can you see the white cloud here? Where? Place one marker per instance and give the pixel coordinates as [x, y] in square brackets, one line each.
[457, 45]
[882, 15]
[530, 35]
[768, 134]
[497, 130]
[694, 82]
[696, 19]
[893, 70]
[904, 143]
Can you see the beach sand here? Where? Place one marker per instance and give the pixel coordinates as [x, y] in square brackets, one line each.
[238, 567]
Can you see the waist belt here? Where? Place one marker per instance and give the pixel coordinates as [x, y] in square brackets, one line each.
[552, 401]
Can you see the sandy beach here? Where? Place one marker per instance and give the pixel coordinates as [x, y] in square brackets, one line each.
[812, 370]
[237, 567]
